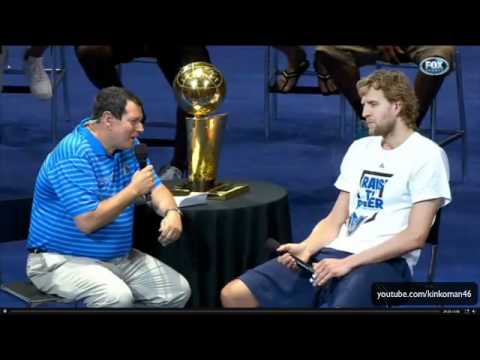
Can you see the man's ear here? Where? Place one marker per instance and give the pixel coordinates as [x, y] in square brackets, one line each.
[397, 106]
[107, 118]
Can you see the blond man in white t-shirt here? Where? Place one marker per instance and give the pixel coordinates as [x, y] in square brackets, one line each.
[391, 185]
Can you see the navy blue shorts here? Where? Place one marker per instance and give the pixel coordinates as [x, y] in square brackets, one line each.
[276, 286]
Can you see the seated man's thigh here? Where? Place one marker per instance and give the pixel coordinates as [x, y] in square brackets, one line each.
[275, 286]
[418, 53]
[354, 289]
[352, 55]
[79, 278]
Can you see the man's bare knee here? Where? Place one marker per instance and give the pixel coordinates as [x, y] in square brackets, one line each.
[237, 295]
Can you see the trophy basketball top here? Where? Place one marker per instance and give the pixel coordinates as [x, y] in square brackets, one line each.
[199, 88]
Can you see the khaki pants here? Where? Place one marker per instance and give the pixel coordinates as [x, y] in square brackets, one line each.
[120, 282]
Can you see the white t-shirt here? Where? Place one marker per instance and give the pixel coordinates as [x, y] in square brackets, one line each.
[384, 185]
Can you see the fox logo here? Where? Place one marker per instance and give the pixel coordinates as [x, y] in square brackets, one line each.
[434, 66]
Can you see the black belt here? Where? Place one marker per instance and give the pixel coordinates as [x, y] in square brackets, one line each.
[36, 250]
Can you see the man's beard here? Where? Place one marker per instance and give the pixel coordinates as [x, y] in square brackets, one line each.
[382, 130]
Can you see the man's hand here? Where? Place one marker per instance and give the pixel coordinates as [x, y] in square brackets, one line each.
[329, 268]
[298, 250]
[108, 209]
[143, 180]
[390, 53]
[170, 228]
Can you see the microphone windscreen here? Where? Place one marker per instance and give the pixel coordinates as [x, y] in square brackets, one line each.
[272, 244]
[141, 153]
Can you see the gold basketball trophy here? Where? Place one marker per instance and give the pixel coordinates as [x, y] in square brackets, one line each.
[200, 89]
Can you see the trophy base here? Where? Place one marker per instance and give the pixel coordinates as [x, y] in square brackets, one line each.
[224, 191]
[221, 191]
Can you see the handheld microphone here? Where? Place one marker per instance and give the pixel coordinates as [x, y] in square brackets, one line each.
[273, 244]
[141, 152]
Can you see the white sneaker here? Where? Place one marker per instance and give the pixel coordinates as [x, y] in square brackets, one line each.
[3, 64]
[170, 173]
[40, 85]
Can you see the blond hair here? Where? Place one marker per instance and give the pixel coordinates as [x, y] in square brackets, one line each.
[396, 86]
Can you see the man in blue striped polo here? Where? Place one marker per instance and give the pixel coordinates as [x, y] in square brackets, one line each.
[80, 238]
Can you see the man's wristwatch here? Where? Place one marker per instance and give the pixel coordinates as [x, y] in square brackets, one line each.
[177, 210]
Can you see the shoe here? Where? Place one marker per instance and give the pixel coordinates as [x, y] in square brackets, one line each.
[40, 85]
[169, 172]
[3, 64]
[291, 77]
[325, 81]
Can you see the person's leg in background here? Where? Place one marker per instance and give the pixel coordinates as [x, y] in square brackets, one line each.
[427, 86]
[297, 64]
[99, 63]
[171, 60]
[342, 63]
[40, 84]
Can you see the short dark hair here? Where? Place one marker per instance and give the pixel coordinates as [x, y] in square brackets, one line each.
[114, 99]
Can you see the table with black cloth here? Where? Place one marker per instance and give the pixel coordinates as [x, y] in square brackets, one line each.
[221, 239]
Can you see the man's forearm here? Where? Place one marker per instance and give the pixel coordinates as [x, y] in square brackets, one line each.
[399, 245]
[322, 234]
[413, 237]
[106, 211]
[162, 200]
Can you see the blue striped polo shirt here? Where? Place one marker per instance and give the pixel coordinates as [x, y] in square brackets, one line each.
[74, 178]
